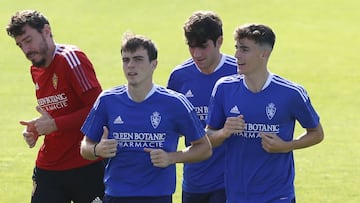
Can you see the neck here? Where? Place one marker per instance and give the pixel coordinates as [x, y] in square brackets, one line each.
[139, 93]
[255, 83]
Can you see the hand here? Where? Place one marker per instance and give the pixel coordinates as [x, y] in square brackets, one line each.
[30, 134]
[233, 125]
[106, 148]
[159, 157]
[45, 124]
[273, 143]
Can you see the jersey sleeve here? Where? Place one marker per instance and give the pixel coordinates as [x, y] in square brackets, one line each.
[84, 82]
[216, 117]
[304, 111]
[188, 123]
[94, 122]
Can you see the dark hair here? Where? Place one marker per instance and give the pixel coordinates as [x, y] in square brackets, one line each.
[132, 42]
[202, 26]
[260, 34]
[32, 18]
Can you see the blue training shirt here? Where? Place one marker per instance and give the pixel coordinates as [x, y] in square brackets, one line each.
[251, 173]
[208, 175]
[156, 122]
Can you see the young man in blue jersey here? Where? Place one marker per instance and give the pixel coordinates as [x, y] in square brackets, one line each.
[253, 114]
[203, 182]
[137, 127]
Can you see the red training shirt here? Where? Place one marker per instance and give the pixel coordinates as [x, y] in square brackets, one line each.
[67, 90]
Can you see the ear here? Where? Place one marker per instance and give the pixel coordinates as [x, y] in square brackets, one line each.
[47, 30]
[219, 41]
[154, 64]
[266, 53]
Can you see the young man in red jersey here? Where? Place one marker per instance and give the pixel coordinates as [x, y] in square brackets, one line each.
[66, 88]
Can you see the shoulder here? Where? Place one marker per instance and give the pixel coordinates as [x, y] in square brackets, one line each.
[173, 97]
[290, 86]
[185, 65]
[235, 78]
[109, 94]
[229, 60]
[118, 90]
[226, 81]
[71, 53]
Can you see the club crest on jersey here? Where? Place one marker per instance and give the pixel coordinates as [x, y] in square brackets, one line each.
[270, 110]
[55, 81]
[155, 119]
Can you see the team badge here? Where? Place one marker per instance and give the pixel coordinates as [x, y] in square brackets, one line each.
[270, 110]
[155, 119]
[55, 81]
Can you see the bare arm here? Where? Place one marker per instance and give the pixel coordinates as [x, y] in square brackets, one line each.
[311, 136]
[106, 148]
[198, 150]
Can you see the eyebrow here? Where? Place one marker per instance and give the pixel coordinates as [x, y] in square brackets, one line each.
[24, 39]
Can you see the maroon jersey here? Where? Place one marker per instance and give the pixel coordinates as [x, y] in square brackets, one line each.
[67, 90]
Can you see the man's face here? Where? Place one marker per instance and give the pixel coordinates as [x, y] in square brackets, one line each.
[137, 68]
[207, 55]
[248, 55]
[34, 46]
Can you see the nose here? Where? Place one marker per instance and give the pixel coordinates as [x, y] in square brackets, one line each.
[237, 54]
[196, 52]
[26, 49]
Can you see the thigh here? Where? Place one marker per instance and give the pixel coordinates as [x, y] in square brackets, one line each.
[86, 184]
[47, 187]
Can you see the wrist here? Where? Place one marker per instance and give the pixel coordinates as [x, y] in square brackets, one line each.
[94, 150]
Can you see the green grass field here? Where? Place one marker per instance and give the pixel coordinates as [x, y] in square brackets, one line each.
[317, 46]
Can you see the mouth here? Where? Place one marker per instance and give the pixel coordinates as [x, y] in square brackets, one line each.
[240, 64]
[131, 74]
[30, 55]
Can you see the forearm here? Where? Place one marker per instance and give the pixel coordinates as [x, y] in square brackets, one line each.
[197, 151]
[216, 137]
[87, 149]
[74, 120]
[310, 137]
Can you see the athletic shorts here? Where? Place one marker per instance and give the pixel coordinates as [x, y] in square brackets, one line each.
[80, 185]
[160, 199]
[217, 196]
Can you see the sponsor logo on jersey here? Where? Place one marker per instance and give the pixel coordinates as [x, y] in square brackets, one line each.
[53, 102]
[202, 112]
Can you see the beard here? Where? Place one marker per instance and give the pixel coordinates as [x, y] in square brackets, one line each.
[43, 52]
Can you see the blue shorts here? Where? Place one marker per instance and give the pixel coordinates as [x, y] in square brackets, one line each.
[160, 199]
[80, 185]
[217, 196]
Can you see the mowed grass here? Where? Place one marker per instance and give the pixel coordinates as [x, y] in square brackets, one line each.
[317, 46]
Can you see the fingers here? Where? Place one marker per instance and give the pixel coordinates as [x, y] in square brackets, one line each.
[107, 148]
[42, 111]
[24, 123]
[30, 138]
[105, 133]
[158, 157]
